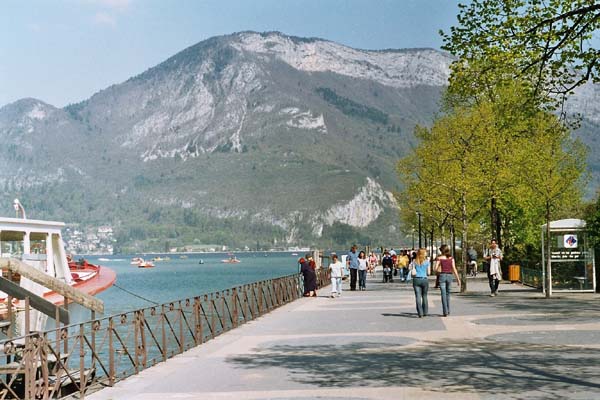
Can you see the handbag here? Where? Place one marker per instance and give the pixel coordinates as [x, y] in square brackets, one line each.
[413, 270]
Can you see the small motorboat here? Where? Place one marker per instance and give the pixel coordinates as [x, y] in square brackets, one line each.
[145, 264]
[141, 263]
[231, 260]
[201, 261]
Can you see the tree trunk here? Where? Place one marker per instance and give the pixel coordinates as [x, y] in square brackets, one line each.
[465, 229]
[495, 227]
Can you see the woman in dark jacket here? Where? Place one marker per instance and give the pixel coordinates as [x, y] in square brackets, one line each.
[310, 277]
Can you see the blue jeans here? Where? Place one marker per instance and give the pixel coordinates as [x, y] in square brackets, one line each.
[362, 278]
[445, 284]
[421, 286]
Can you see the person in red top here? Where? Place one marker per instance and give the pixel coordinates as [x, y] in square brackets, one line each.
[446, 267]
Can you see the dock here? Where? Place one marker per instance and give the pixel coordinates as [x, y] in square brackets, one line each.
[371, 345]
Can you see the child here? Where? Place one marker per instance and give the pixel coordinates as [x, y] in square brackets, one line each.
[337, 272]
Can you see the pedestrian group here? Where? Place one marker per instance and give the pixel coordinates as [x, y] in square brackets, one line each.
[410, 265]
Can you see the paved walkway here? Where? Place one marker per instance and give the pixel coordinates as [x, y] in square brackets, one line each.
[371, 345]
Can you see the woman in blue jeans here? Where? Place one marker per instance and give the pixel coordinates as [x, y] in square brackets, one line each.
[446, 267]
[420, 269]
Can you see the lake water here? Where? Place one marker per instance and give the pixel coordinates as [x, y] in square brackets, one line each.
[180, 278]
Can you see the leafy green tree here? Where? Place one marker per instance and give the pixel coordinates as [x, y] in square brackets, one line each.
[546, 44]
[551, 170]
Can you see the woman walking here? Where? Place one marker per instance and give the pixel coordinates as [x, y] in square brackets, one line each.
[420, 268]
[362, 271]
[310, 276]
[446, 267]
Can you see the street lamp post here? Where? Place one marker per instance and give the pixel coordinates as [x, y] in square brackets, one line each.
[420, 242]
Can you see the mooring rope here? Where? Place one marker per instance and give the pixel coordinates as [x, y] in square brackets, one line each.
[136, 295]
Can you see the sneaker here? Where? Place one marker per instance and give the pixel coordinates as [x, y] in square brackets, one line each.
[493, 295]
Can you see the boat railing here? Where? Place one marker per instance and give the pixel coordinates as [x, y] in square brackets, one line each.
[82, 358]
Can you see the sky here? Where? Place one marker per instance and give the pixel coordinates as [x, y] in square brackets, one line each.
[64, 51]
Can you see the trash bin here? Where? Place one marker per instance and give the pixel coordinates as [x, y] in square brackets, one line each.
[514, 273]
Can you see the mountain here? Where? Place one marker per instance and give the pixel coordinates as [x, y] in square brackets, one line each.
[250, 139]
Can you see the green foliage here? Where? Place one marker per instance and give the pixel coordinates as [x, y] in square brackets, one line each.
[543, 44]
[522, 157]
[352, 108]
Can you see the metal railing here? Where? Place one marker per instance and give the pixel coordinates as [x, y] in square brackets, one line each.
[82, 358]
[531, 277]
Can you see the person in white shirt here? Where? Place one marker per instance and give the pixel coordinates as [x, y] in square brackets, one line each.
[494, 257]
[362, 271]
[337, 272]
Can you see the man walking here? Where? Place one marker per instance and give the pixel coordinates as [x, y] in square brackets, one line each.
[495, 271]
[352, 261]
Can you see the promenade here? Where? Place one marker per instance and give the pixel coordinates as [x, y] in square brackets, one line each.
[371, 345]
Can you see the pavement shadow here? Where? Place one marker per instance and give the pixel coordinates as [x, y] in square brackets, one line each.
[513, 370]
[556, 310]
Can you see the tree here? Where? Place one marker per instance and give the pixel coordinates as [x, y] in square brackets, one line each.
[442, 177]
[552, 164]
[545, 43]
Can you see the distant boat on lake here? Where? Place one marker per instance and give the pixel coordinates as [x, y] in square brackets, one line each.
[141, 263]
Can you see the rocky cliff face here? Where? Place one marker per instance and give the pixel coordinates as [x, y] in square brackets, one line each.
[283, 135]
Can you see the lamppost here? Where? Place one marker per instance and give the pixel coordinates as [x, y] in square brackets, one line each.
[413, 238]
[420, 242]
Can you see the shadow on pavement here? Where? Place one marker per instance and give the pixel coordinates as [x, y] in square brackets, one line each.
[514, 370]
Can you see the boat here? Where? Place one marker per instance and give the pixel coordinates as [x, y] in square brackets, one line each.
[136, 260]
[231, 260]
[201, 261]
[146, 264]
[37, 246]
[141, 263]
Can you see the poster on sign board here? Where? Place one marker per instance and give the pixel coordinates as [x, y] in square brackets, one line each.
[570, 241]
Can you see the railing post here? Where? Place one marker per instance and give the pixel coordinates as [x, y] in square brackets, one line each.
[212, 316]
[136, 348]
[27, 355]
[181, 332]
[93, 337]
[197, 321]
[234, 308]
[82, 382]
[111, 353]
[260, 298]
[163, 332]
[66, 341]
[143, 348]
[223, 326]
